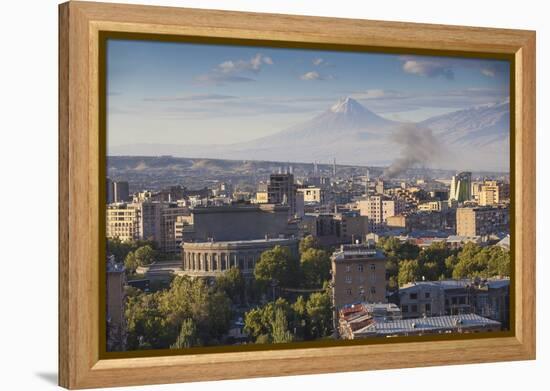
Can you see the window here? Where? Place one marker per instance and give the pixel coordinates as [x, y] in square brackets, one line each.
[372, 290]
[372, 267]
[428, 308]
[348, 279]
[454, 300]
[348, 268]
[360, 268]
[404, 308]
[348, 291]
[413, 296]
[414, 308]
[462, 300]
[427, 295]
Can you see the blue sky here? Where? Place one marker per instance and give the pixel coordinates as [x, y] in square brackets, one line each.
[175, 93]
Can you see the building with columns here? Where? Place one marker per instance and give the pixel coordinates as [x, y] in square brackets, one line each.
[212, 258]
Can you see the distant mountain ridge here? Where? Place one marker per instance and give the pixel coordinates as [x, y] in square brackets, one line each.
[352, 134]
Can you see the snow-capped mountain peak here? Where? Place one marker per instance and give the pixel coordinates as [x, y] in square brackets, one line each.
[347, 106]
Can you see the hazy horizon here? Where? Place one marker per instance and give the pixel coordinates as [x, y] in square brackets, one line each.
[168, 95]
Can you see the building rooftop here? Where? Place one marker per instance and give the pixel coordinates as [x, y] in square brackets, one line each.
[429, 324]
[354, 251]
[493, 283]
[241, 242]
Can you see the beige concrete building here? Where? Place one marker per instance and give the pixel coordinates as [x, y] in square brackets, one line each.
[482, 221]
[493, 193]
[433, 206]
[378, 209]
[147, 220]
[358, 275]
[262, 197]
[123, 222]
[313, 194]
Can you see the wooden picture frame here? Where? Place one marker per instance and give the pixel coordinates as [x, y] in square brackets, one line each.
[80, 26]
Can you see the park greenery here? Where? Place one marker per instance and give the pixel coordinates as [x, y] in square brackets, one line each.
[289, 298]
[199, 312]
[189, 313]
[280, 321]
[408, 263]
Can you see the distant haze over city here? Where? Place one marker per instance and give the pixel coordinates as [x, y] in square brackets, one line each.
[265, 104]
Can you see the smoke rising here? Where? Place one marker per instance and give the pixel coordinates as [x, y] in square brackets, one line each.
[418, 148]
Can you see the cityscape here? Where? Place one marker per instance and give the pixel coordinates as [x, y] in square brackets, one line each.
[354, 222]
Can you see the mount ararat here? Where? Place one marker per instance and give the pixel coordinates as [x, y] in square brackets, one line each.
[473, 138]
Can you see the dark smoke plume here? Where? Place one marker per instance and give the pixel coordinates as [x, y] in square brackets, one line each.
[418, 148]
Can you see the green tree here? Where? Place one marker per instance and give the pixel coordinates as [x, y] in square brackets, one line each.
[146, 324]
[263, 339]
[392, 270]
[275, 264]
[432, 260]
[280, 333]
[307, 243]
[319, 311]
[130, 263]
[261, 321]
[232, 283]
[253, 324]
[300, 318]
[145, 255]
[187, 336]
[315, 267]
[408, 271]
[393, 247]
[450, 263]
[155, 320]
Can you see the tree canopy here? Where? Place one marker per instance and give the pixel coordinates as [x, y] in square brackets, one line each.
[155, 320]
[278, 321]
[276, 265]
[315, 265]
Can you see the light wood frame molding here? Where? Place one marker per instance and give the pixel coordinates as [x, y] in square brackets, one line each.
[80, 365]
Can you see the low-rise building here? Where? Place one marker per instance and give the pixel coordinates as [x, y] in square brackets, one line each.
[356, 316]
[489, 298]
[468, 323]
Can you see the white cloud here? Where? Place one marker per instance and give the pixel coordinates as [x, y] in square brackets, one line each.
[254, 64]
[488, 72]
[317, 61]
[311, 76]
[428, 67]
[231, 71]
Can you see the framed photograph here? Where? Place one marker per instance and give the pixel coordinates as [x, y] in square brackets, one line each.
[248, 195]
